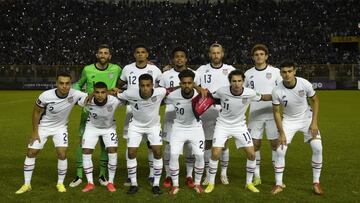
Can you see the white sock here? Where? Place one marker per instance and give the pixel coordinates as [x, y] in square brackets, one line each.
[158, 165]
[174, 169]
[167, 159]
[88, 167]
[280, 164]
[225, 156]
[62, 168]
[258, 160]
[131, 165]
[250, 168]
[29, 165]
[199, 168]
[212, 170]
[151, 163]
[112, 164]
[207, 155]
[316, 160]
[273, 157]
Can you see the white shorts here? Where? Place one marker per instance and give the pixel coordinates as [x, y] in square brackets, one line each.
[128, 117]
[92, 134]
[209, 120]
[240, 133]
[256, 129]
[291, 127]
[168, 122]
[59, 137]
[194, 136]
[136, 134]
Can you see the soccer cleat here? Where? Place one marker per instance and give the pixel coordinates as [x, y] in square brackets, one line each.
[88, 187]
[209, 188]
[257, 181]
[174, 190]
[276, 189]
[103, 181]
[251, 187]
[317, 189]
[224, 180]
[198, 189]
[189, 182]
[132, 190]
[206, 181]
[61, 187]
[77, 181]
[24, 188]
[111, 187]
[156, 190]
[127, 183]
[151, 180]
[168, 182]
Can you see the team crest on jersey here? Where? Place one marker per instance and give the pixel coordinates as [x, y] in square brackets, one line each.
[111, 75]
[226, 99]
[301, 93]
[268, 76]
[244, 100]
[251, 77]
[109, 108]
[132, 72]
[153, 99]
[70, 100]
[177, 104]
[225, 71]
[150, 72]
[207, 70]
[171, 77]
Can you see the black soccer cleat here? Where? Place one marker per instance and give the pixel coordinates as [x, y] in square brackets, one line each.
[156, 190]
[132, 190]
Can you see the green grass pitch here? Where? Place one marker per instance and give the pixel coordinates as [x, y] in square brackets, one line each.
[339, 124]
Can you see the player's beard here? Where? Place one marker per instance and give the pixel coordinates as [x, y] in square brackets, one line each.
[217, 61]
[103, 61]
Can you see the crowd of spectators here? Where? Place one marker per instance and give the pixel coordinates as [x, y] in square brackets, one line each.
[68, 32]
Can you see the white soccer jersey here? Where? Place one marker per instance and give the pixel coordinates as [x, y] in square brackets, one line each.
[294, 99]
[145, 111]
[57, 109]
[101, 116]
[213, 78]
[233, 107]
[262, 81]
[131, 74]
[185, 117]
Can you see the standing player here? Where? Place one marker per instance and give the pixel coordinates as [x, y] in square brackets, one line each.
[101, 123]
[101, 71]
[186, 128]
[145, 105]
[213, 76]
[232, 123]
[170, 79]
[130, 77]
[262, 78]
[292, 94]
[49, 119]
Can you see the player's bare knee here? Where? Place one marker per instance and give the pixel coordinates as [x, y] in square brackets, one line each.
[208, 144]
[87, 151]
[132, 153]
[32, 153]
[257, 144]
[251, 156]
[157, 154]
[215, 154]
[61, 156]
[274, 144]
[112, 150]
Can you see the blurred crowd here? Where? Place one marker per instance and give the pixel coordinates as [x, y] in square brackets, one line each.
[68, 32]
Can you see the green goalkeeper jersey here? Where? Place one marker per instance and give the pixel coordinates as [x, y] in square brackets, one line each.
[91, 75]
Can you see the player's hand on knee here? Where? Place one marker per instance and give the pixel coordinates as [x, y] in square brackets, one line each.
[282, 139]
[314, 130]
[34, 136]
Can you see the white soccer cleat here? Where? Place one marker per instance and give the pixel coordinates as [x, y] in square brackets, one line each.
[206, 181]
[224, 180]
[103, 181]
[76, 182]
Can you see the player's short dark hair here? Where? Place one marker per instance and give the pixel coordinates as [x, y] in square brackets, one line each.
[141, 46]
[287, 63]
[186, 73]
[261, 47]
[63, 74]
[236, 72]
[100, 85]
[145, 77]
[179, 48]
[104, 46]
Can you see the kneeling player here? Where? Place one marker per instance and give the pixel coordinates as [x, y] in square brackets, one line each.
[145, 105]
[186, 128]
[101, 123]
[49, 119]
[232, 123]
